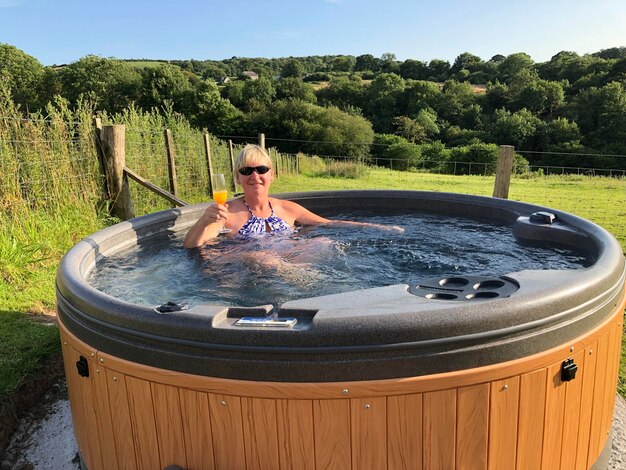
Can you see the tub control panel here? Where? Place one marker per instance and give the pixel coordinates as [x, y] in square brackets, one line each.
[465, 288]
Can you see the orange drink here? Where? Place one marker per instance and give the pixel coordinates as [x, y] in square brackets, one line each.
[220, 196]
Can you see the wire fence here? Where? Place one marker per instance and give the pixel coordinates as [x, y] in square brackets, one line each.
[49, 163]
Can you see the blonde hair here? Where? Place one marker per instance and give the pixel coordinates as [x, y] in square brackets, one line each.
[252, 154]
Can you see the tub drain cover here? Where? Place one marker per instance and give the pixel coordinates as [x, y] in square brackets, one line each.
[468, 288]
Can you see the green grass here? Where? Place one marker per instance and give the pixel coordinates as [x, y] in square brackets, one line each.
[30, 250]
[32, 243]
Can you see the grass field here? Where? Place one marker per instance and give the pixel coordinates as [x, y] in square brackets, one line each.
[31, 250]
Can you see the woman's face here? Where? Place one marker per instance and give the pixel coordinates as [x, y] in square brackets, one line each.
[256, 183]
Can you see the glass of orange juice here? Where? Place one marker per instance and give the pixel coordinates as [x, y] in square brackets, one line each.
[220, 192]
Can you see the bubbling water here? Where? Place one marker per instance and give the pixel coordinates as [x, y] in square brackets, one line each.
[319, 261]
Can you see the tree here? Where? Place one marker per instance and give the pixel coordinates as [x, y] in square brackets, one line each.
[438, 70]
[343, 63]
[342, 92]
[215, 113]
[167, 83]
[516, 128]
[366, 63]
[388, 63]
[466, 61]
[24, 75]
[455, 99]
[110, 84]
[601, 116]
[382, 100]
[418, 130]
[295, 88]
[249, 95]
[413, 69]
[559, 134]
[418, 95]
[496, 96]
[348, 134]
[514, 64]
[541, 97]
[293, 68]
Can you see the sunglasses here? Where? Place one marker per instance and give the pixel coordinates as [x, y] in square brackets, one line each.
[248, 170]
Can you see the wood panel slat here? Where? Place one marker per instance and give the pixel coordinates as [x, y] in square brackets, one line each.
[504, 409]
[331, 420]
[368, 421]
[142, 419]
[553, 425]
[404, 432]
[260, 433]
[73, 390]
[586, 405]
[472, 427]
[608, 395]
[616, 363]
[169, 425]
[571, 419]
[121, 420]
[439, 429]
[596, 407]
[104, 419]
[86, 407]
[531, 415]
[295, 434]
[227, 427]
[197, 429]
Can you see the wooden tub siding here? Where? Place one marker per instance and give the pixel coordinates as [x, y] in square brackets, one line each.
[129, 415]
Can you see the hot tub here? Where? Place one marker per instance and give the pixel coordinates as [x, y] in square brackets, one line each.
[511, 371]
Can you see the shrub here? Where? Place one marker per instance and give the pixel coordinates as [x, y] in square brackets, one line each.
[311, 166]
[402, 155]
[341, 169]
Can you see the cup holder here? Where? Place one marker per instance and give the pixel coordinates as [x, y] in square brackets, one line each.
[482, 295]
[490, 284]
[441, 296]
[466, 288]
[453, 282]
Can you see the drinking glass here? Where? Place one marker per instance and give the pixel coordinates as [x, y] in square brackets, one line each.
[220, 193]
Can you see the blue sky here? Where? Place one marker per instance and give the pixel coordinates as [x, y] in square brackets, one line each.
[63, 31]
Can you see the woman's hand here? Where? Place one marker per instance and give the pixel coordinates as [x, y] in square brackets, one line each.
[215, 213]
[207, 226]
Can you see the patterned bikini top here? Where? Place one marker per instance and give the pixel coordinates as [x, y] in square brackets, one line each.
[259, 225]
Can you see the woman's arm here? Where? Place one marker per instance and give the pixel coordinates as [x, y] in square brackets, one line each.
[393, 228]
[304, 216]
[207, 226]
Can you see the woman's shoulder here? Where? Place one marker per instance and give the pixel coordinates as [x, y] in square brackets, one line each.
[285, 205]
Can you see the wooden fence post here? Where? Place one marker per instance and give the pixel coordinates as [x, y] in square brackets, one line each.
[262, 140]
[113, 139]
[97, 125]
[503, 171]
[209, 163]
[171, 165]
[232, 164]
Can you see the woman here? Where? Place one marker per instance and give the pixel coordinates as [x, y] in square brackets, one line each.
[256, 213]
